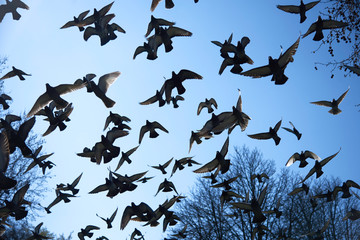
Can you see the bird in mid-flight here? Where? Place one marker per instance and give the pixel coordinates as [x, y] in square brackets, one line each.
[272, 133]
[320, 25]
[276, 67]
[301, 9]
[15, 72]
[11, 7]
[334, 104]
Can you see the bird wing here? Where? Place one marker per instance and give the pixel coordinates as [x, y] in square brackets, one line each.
[187, 74]
[354, 69]
[351, 183]
[323, 103]
[8, 75]
[262, 195]
[309, 154]
[289, 8]
[277, 126]
[217, 43]
[158, 125]
[76, 181]
[177, 32]
[154, 4]
[208, 167]
[116, 27]
[91, 227]
[295, 191]
[241, 205]
[225, 147]
[143, 130]
[326, 160]
[66, 88]
[161, 186]
[339, 100]
[311, 29]
[213, 102]
[106, 80]
[41, 102]
[167, 163]
[331, 24]
[260, 136]
[200, 107]
[288, 129]
[137, 176]
[100, 188]
[20, 4]
[285, 58]
[292, 159]
[113, 215]
[138, 50]
[258, 72]
[310, 5]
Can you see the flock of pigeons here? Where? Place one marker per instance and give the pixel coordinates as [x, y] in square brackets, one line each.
[57, 111]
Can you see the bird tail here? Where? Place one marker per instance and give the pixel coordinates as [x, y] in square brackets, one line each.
[236, 69]
[318, 36]
[277, 140]
[335, 111]
[153, 134]
[16, 15]
[62, 126]
[108, 102]
[169, 4]
[258, 218]
[303, 164]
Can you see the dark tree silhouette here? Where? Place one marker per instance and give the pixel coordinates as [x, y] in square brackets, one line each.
[286, 216]
[346, 11]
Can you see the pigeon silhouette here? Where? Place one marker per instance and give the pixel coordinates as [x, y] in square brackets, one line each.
[334, 104]
[272, 133]
[11, 7]
[300, 9]
[275, 67]
[78, 21]
[320, 25]
[15, 72]
[150, 127]
[293, 130]
[109, 220]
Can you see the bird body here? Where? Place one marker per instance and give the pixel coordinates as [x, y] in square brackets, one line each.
[11, 7]
[15, 72]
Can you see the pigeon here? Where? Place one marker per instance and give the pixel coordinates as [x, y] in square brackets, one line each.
[135, 233]
[254, 206]
[166, 186]
[320, 24]
[125, 157]
[225, 47]
[117, 120]
[86, 232]
[275, 67]
[301, 9]
[293, 130]
[15, 72]
[98, 15]
[345, 188]
[318, 233]
[318, 167]
[176, 81]
[100, 29]
[303, 187]
[151, 126]
[150, 48]
[272, 133]
[109, 220]
[39, 160]
[60, 196]
[353, 215]
[181, 233]
[259, 177]
[70, 187]
[207, 104]
[53, 94]
[174, 100]
[226, 183]
[36, 235]
[163, 166]
[58, 119]
[101, 88]
[14, 207]
[78, 21]
[218, 162]
[334, 104]
[18, 138]
[302, 156]
[143, 211]
[3, 99]
[11, 7]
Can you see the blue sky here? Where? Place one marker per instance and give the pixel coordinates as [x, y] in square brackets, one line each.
[37, 45]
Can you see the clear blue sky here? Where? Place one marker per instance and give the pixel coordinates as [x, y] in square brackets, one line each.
[37, 45]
